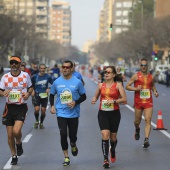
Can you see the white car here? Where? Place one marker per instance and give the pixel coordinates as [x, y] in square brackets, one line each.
[162, 77]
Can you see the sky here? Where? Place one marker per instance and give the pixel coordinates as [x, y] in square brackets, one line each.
[85, 20]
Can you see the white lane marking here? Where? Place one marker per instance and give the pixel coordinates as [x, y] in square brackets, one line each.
[153, 124]
[8, 165]
[27, 138]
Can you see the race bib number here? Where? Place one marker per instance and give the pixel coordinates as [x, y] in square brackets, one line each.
[14, 97]
[107, 107]
[66, 98]
[145, 94]
[43, 95]
[55, 75]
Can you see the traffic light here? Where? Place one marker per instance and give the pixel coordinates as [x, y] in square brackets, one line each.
[156, 55]
[111, 27]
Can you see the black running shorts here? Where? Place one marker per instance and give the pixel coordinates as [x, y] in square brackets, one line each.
[13, 112]
[109, 120]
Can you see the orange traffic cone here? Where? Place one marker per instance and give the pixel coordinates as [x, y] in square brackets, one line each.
[160, 125]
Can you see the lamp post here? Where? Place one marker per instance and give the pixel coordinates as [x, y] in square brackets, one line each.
[141, 2]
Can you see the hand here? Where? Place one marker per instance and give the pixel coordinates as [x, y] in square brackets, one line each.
[93, 100]
[25, 95]
[156, 93]
[139, 87]
[52, 110]
[71, 104]
[6, 93]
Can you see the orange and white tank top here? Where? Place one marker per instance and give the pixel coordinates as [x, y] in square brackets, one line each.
[145, 94]
[17, 86]
[111, 93]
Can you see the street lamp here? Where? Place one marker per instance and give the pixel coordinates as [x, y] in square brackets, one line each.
[141, 2]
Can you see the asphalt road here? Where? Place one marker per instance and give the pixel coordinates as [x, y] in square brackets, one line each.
[42, 150]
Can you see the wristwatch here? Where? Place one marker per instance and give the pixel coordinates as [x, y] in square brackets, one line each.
[114, 101]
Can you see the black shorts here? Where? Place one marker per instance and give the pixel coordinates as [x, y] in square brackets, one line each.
[109, 120]
[13, 112]
[37, 101]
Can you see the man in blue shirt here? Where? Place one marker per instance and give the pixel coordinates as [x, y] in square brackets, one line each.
[40, 83]
[70, 93]
[55, 72]
[76, 73]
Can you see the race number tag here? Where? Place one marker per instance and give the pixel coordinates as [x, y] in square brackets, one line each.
[66, 97]
[43, 95]
[14, 97]
[107, 107]
[145, 94]
[55, 75]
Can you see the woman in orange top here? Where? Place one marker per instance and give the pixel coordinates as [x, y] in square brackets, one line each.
[111, 94]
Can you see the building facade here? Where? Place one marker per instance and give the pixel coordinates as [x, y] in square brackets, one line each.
[60, 22]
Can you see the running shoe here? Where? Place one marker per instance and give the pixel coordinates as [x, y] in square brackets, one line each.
[137, 134]
[14, 160]
[66, 161]
[74, 150]
[106, 164]
[41, 126]
[36, 125]
[112, 155]
[146, 143]
[19, 149]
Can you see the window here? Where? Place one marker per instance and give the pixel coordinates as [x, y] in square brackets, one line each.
[118, 5]
[118, 13]
[127, 4]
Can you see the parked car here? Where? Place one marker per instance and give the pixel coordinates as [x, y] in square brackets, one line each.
[6, 70]
[162, 77]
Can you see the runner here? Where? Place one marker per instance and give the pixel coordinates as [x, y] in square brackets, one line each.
[16, 87]
[70, 93]
[143, 87]
[111, 94]
[40, 99]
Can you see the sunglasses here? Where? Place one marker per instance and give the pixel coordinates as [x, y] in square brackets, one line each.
[67, 67]
[143, 65]
[14, 62]
[107, 72]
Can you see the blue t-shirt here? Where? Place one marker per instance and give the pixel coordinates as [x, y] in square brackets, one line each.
[55, 73]
[67, 91]
[77, 75]
[40, 83]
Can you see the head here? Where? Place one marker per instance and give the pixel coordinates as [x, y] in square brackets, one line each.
[35, 67]
[15, 63]
[110, 72]
[42, 69]
[22, 67]
[118, 69]
[67, 68]
[144, 65]
[55, 66]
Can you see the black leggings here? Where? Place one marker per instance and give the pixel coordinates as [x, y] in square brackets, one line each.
[72, 125]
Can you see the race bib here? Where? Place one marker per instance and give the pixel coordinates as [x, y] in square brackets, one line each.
[43, 95]
[107, 107]
[145, 94]
[55, 75]
[14, 97]
[66, 97]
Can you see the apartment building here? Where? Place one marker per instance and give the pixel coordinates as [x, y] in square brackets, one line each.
[60, 22]
[32, 11]
[162, 8]
[105, 21]
[120, 18]
[115, 12]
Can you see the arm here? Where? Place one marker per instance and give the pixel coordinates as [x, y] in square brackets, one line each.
[97, 94]
[123, 97]
[154, 89]
[52, 110]
[131, 81]
[81, 99]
